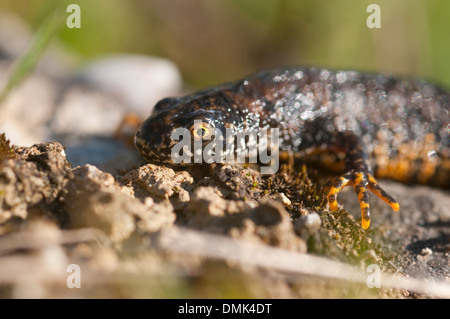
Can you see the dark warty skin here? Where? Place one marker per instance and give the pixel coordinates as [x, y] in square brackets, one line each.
[385, 126]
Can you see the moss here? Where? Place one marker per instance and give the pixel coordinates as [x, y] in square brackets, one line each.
[6, 150]
[340, 236]
[298, 187]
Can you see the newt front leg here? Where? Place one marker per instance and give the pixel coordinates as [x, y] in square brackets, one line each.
[359, 176]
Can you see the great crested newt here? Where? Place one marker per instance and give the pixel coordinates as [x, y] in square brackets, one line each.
[384, 126]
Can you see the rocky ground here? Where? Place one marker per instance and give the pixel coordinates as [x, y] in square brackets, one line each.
[139, 232]
[75, 192]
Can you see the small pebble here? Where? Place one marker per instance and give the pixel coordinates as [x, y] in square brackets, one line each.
[283, 198]
[426, 251]
[310, 223]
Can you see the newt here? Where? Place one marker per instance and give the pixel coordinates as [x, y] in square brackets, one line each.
[382, 125]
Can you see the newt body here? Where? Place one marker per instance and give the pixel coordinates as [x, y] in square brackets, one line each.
[385, 126]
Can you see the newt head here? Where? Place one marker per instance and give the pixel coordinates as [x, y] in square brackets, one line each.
[187, 119]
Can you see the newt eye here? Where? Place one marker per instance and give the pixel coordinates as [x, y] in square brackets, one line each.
[201, 130]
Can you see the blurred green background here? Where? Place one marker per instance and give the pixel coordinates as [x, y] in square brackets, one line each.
[213, 41]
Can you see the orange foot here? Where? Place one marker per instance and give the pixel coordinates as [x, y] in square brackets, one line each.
[361, 182]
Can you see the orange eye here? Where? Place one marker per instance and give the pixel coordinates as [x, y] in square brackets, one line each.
[201, 130]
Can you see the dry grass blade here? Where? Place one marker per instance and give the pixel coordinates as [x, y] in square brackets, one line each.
[213, 246]
[46, 261]
[39, 240]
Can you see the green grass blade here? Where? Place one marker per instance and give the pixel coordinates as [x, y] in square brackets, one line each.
[28, 61]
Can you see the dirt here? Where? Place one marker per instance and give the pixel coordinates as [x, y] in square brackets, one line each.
[116, 229]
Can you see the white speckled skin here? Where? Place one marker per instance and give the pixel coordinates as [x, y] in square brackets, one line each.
[319, 109]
